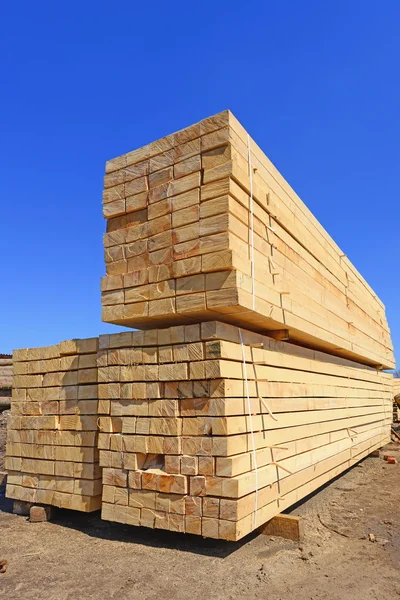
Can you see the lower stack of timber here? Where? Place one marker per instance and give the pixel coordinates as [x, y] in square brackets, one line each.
[52, 454]
[213, 430]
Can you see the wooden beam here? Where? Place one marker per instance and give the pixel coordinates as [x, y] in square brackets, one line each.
[40, 514]
[280, 335]
[289, 527]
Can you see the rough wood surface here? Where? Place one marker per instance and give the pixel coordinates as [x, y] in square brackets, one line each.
[51, 450]
[186, 429]
[289, 527]
[5, 372]
[192, 244]
[181, 449]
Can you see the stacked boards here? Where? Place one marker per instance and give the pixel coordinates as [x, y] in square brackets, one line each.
[396, 387]
[204, 428]
[51, 451]
[207, 421]
[213, 430]
[201, 226]
[5, 380]
[396, 399]
[5, 373]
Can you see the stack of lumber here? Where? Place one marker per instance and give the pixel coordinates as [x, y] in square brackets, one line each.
[5, 372]
[256, 376]
[201, 226]
[213, 430]
[396, 387]
[5, 380]
[396, 399]
[51, 451]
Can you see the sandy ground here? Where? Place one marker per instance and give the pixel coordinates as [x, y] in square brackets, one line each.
[80, 556]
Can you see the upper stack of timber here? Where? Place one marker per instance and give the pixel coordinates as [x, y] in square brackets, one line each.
[201, 226]
[51, 451]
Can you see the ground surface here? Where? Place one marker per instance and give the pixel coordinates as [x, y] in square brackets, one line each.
[80, 556]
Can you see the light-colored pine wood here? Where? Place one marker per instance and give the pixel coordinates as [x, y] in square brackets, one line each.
[52, 434]
[321, 298]
[182, 442]
[289, 527]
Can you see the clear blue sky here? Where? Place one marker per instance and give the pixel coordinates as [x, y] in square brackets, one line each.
[315, 83]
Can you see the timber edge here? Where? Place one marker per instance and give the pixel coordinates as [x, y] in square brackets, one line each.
[37, 513]
[289, 527]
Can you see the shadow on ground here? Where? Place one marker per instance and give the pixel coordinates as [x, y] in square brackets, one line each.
[92, 525]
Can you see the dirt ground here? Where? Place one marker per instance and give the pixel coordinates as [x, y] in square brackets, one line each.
[80, 556]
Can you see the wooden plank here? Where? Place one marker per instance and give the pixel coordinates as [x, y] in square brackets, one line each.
[289, 527]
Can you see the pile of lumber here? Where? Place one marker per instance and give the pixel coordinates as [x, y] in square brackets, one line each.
[5, 381]
[213, 430]
[201, 226]
[51, 451]
[256, 376]
[5, 372]
[396, 399]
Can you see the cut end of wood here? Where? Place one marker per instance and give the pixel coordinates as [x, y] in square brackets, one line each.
[280, 335]
[286, 526]
[40, 514]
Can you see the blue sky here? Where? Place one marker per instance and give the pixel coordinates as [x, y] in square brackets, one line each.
[315, 83]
